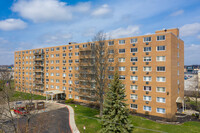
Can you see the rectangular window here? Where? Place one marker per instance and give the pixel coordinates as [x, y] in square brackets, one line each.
[70, 54]
[147, 39]
[84, 45]
[121, 59]
[76, 53]
[133, 50]
[76, 46]
[160, 38]
[110, 43]
[134, 106]
[147, 88]
[70, 47]
[134, 68]
[160, 69]
[147, 98]
[64, 54]
[160, 89]
[160, 110]
[134, 40]
[160, 100]
[64, 88]
[122, 77]
[161, 48]
[160, 58]
[147, 69]
[134, 59]
[52, 49]
[64, 48]
[64, 74]
[160, 79]
[57, 55]
[110, 76]
[147, 59]
[122, 51]
[122, 68]
[147, 78]
[147, 108]
[57, 49]
[111, 68]
[111, 60]
[133, 96]
[121, 41]
[111, 51]
[134, 87]
[147, 49]
[134, 78]
[57, 61]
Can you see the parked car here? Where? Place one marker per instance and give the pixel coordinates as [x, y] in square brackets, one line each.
[21, 111]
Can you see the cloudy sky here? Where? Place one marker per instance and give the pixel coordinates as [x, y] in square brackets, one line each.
[27, 24]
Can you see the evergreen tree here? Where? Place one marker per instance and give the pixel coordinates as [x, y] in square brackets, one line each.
[115, 111]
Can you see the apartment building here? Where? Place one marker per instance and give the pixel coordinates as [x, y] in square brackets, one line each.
[150, 66]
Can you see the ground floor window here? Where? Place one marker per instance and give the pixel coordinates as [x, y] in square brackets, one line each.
[160, 110]
[147, 108]
[134, 106]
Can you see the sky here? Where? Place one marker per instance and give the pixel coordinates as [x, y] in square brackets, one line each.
[28, 24]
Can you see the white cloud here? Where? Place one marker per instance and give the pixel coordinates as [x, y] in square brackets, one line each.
[124, 32]
[3, 41]
[179, 12]
[190, 29]
[192, 54]
[48, 10]
[101, 11]
[12, 24]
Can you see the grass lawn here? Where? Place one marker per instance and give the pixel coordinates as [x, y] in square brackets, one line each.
[16, 96]
[85, 116]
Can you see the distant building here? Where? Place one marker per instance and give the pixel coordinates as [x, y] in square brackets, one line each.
[191, 69]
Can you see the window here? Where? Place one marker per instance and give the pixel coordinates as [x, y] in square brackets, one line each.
[76, 46]
[52, 74]
[52, 80]
[134, 87]
[161, 48]
[160, 38]
[52, 49]
[121, 51]
[134, 78]
[70, 61]
[57, 74]
[147, 108]
[64, 48]
[111, 60]
[57, 80]
[70, 96]
[64, 81]
[160, 89]
[110, 76]
[64, 68]
[147, 98]
[147, 59]
[52, 86]
[52, 55]
[147, 69]
[147, 39]
[147, 49]
[160, 79]
[134, 40]
[122, 68]
[160, 69]
[134, 59]
[52, 61]
[147, 78]
[77, 68]
[160, 110]
[77, 61]
[57, 55]
[76, 53]
[57, 61]
[111, 51]
[70, 82]
[57, 87]
[84, 45]
[121, 59]
[111, 68]
[70, 68]
[57, 49]
[70, 47]
[76, 97]
[110, 43]
[134, 68]
[121, 41]
[122, 77]
[133, 50]
[70, 54]
[160, 58]
[64, 74]
[160, 99]
[133, 96]
[147, 88]
[70, 75]
[134, 106]
[64, 88]
[64, 54]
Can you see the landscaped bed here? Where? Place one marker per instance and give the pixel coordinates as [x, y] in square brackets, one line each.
[85, 116]
[16, 96]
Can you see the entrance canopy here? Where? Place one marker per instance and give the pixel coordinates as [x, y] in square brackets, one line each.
[53, 92]
[179, 100]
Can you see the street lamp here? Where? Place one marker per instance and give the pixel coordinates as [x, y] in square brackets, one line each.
[84, 128]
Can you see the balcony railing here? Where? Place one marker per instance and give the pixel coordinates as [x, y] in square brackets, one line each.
[39, 76]
[38, 70]
[39, 59]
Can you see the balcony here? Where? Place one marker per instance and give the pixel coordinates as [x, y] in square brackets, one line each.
[84, 88]
[39, 64]
[93, 81]
[39, 82]
[86, 57]
[38, 70]
[38, 53]
[39, 59]
[39, 76]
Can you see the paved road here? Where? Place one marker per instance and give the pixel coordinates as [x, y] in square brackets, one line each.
[55, 121]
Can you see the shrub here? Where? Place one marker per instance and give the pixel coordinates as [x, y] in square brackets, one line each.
[187, 99]
[146, 113]
[94, 105]
[133, 111]
[69, 101]
[193, 115]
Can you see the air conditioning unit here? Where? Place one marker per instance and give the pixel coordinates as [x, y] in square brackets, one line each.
[147, 63]
[133, 91]
[133, 54]
[70, 57]
[147, 72]
[147, 102]
[133, 82]
[133, 100]
[147, 43]
[147, 92]
[147, 82]
[133, 44]
[133, 72]
[147, 53]
[133, 63]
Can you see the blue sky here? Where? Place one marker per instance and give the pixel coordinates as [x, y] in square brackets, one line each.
[27, 24]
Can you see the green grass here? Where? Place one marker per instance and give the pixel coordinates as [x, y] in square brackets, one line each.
[16, 96]
[85, 116]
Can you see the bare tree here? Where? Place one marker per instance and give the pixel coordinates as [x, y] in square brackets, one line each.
[96, 62]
